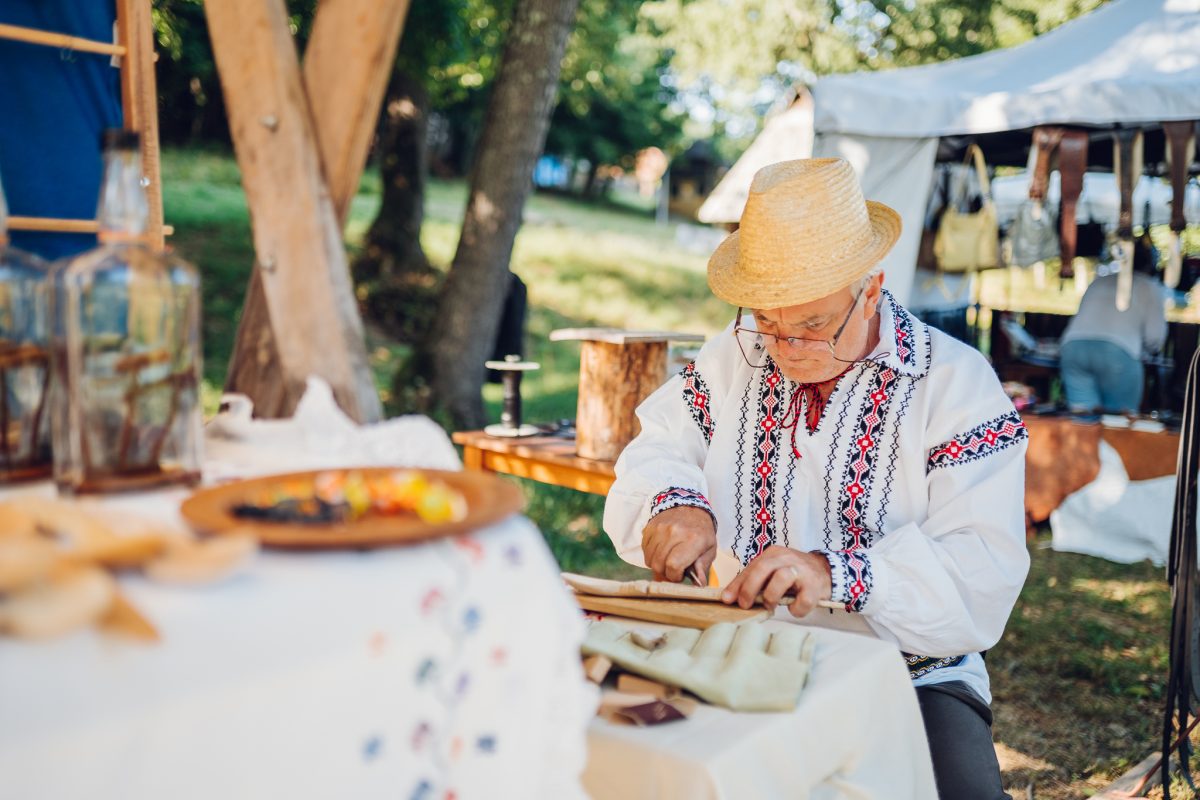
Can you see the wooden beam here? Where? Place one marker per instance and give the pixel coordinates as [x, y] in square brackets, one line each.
[311, 324]
[54, 225]
[346, 70]
[139, 100]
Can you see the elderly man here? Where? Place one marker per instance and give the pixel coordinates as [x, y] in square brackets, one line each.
[837, 448]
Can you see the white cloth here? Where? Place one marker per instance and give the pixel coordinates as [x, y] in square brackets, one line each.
[405, 672]
[912, 485]
[1139, 330]
[1116, 518]
[856, 734]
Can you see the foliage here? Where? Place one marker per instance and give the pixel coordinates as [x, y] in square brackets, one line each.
[612, 101]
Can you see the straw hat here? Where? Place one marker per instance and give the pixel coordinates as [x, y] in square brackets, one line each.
[805, 233]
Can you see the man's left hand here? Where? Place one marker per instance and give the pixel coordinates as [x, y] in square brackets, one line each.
[780, 571]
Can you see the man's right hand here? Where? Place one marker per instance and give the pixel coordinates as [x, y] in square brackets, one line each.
[677, 538]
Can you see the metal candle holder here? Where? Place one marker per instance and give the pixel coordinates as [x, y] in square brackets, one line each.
[510, 415]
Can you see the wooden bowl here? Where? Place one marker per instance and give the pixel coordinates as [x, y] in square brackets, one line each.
[489, 500]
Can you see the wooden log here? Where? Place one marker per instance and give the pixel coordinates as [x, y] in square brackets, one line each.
[309, 324]
[613, 380]
[139, 100]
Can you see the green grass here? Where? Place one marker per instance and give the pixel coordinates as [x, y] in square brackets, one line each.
[1078, 678]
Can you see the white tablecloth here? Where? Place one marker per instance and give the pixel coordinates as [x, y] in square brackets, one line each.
[856, 735]
[445, 669]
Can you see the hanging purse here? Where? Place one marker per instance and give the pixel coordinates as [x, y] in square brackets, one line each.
[1034, 235]
[1089, 238]
[969, 241]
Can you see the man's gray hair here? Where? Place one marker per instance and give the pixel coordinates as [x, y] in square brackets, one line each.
[862, 282]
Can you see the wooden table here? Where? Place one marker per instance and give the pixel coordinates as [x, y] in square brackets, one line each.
[549, 459]
[1063, 457]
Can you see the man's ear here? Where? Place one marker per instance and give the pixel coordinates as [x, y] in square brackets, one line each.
[873, 293]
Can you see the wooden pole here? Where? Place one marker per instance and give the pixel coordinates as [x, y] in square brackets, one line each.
[139, 100]
[346, 68]
[62, 41]
[311, 324]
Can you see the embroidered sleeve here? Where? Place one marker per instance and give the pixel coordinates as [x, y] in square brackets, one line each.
[982, 440]
[851, 576]
[698, 399]
[678, 496]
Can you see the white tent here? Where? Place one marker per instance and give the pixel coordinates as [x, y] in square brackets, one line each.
[786, 135]
[1131, 62]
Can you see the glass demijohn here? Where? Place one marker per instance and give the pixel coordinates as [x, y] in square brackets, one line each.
[127, 348]
[24, 361]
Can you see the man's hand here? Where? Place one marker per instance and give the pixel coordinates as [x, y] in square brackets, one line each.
[780, 571]
[677, 538]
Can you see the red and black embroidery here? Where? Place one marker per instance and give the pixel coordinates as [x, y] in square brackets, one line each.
[762, 474]
[850, 577]
[699, 400]
[991, 437]
[859, 475]
[678, 496]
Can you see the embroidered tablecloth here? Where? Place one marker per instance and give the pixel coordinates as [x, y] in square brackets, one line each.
[449, 669]
[856, 733]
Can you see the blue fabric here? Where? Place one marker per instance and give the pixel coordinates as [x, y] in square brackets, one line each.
[56, 105]
[1100, 376]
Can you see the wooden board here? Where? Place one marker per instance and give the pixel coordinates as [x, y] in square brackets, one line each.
[688, 614]
[489, 500]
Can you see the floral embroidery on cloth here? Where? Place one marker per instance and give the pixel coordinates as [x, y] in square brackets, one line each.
[982, 440]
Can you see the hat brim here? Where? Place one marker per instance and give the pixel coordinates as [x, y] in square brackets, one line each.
[792, 288]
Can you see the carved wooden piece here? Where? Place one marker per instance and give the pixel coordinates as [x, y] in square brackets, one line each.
[313, 327]
[613, 380]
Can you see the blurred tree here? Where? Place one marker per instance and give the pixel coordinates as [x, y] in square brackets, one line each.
[473, 297]
[612, 101]
[446, 54]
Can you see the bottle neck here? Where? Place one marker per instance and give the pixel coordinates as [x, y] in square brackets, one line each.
[123, 211]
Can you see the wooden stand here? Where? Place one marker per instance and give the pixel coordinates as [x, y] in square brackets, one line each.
[617, 371]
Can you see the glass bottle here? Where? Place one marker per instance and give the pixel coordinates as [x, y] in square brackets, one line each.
[24, 361]
[127, 348]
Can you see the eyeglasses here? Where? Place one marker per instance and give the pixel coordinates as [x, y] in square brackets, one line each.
[753, 344]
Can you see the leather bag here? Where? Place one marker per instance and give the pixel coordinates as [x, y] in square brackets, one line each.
[967, 241]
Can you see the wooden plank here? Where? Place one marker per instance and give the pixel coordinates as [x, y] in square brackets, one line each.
[557, 450]
[472, 458]
[671, 612]
[139, 100]
[347, 64]
[619, 336]
[309, 324]
[554, 474]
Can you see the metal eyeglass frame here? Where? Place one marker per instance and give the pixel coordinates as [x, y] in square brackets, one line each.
[792, 340]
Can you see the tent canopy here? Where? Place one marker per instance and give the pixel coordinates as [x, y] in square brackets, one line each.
[1129, 63]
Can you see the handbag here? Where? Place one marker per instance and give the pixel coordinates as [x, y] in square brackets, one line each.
[969, 241]
[1034, 235]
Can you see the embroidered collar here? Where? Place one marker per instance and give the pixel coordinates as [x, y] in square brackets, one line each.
[903, 340]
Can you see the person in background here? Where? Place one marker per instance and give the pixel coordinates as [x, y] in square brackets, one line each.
[1102, 348]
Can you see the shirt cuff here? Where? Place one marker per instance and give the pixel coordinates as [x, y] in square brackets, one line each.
[678, 496]
[851, 577]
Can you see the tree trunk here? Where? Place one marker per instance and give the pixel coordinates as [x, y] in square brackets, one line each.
[513, 134]
[393, 243]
